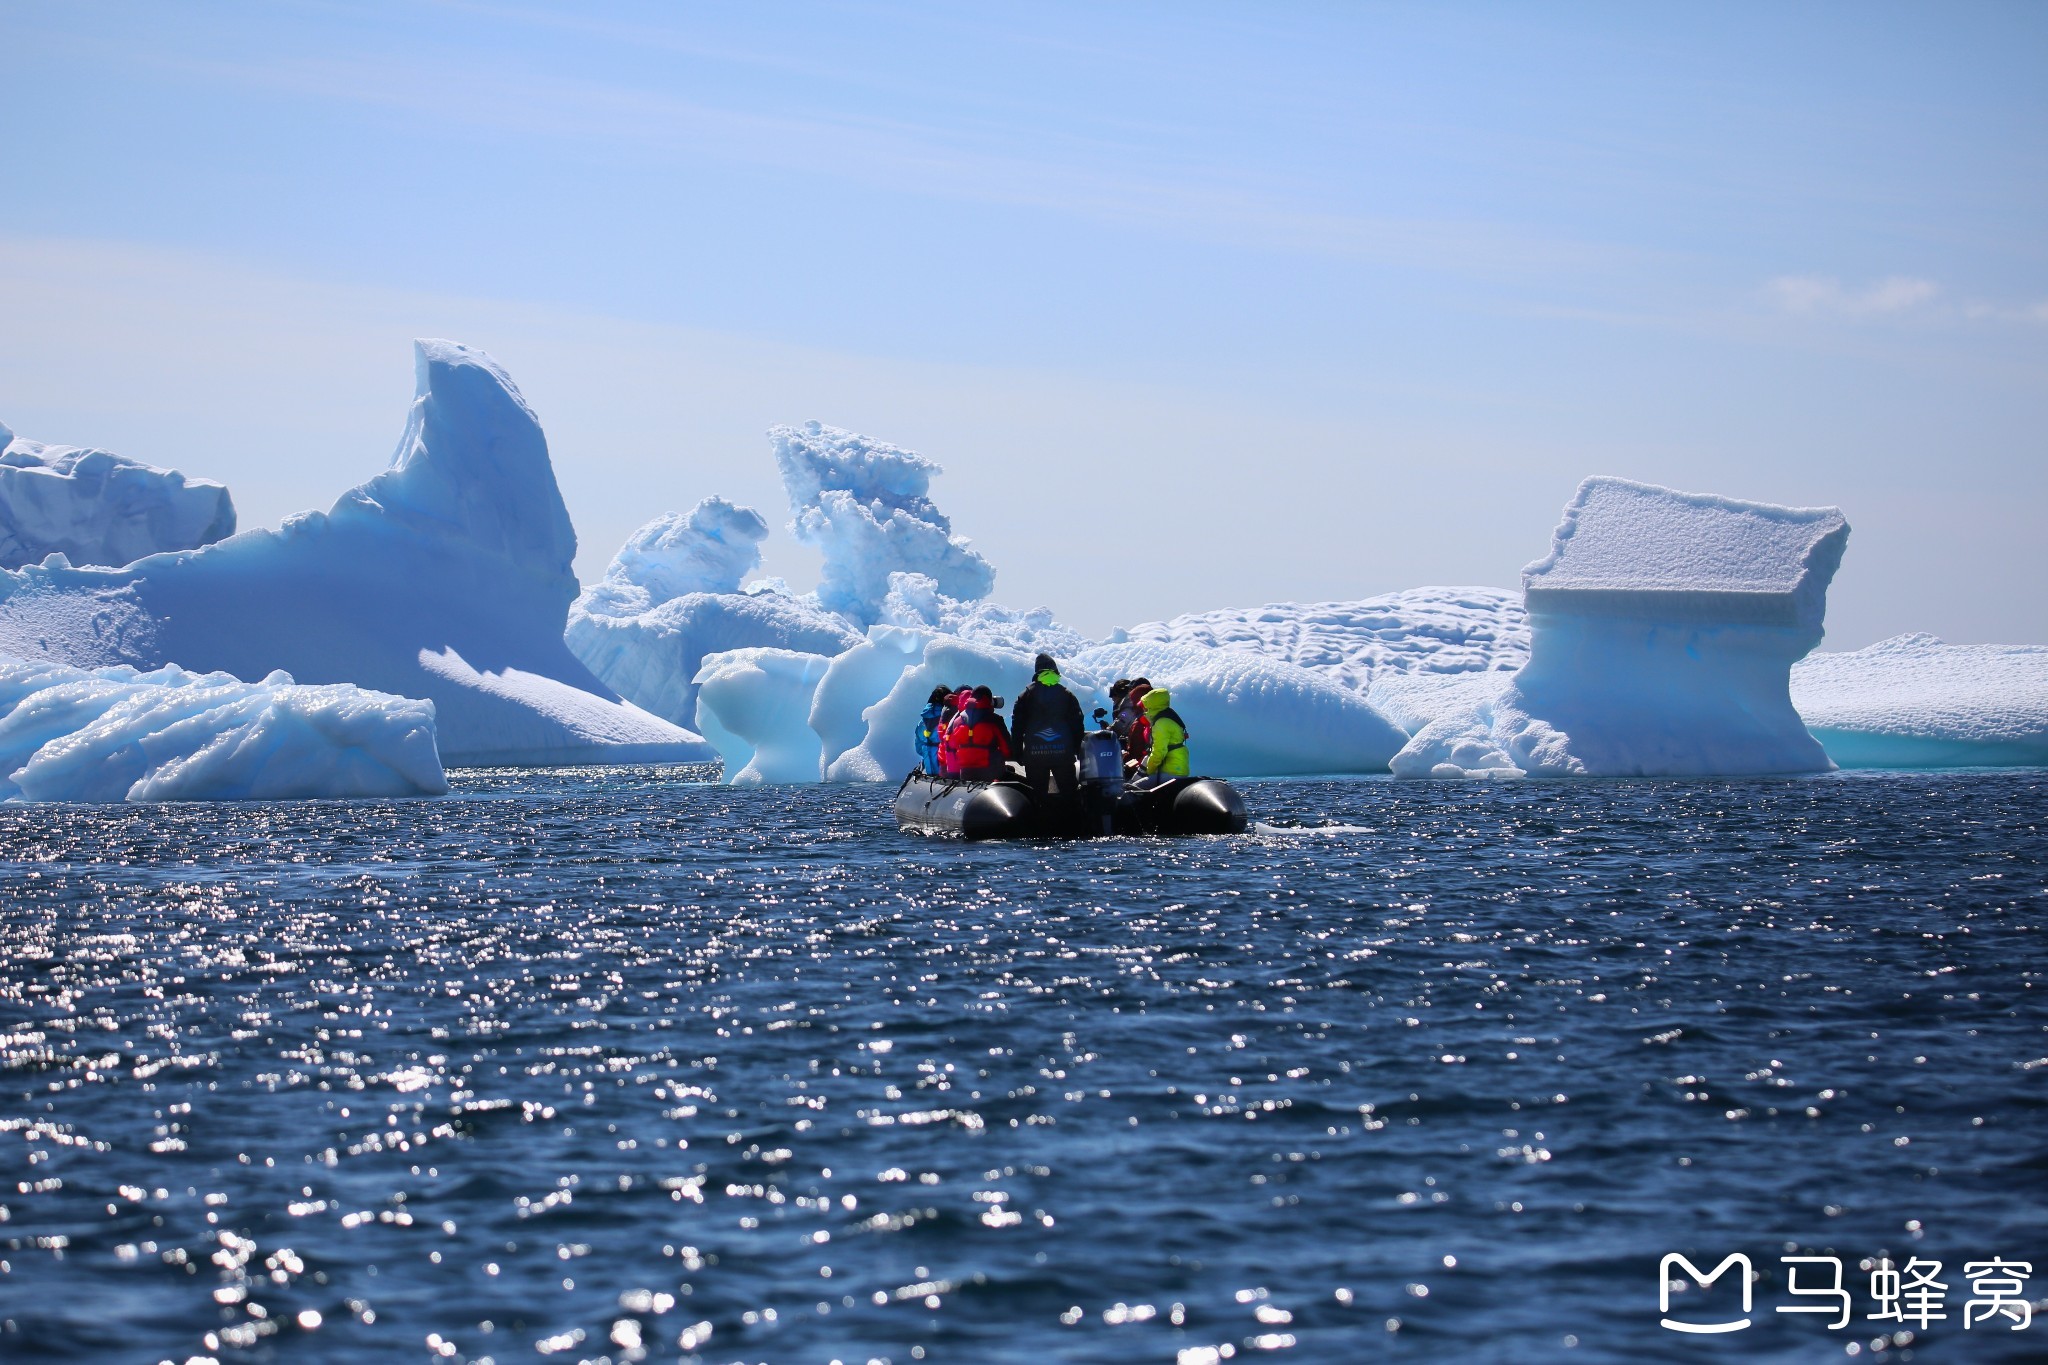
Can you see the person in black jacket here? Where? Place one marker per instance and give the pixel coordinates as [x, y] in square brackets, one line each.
[1046, 725]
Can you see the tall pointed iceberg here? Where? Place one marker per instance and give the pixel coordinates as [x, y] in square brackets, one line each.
[446, 577]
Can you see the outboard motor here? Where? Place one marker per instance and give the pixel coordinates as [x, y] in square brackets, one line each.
[1102, 777]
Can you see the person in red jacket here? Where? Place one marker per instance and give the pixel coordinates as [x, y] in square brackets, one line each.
[1138, 734]
[949, 763]
[976, 745]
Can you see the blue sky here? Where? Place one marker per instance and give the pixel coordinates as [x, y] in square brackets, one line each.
[1198, 305]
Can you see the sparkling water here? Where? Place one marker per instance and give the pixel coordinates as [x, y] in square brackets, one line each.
[611, 1064]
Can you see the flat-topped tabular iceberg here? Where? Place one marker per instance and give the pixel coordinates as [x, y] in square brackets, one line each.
[119, 734]
[1663, 630]
[446, 577]
[94, 507]
[1914, 702]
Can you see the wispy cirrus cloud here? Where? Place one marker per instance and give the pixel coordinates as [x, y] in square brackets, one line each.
[1826, 296]
[1107, 179]
[1892, 297]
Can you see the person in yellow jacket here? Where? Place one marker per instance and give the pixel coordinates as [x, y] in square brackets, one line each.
[1169, 754]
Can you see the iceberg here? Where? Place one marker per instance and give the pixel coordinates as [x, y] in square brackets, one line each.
[885, 752]
[865, 505]
[753, 705]
[94, 507]
[445, 577]
[121, 734]
[671, 601]
[1252, 716]
[914, 600]
[849, 712]
[1419, 630]
[1663, 630]
[1914, 702]
[1449, 720]
[847, 718]
[709, 551]
[671, 598]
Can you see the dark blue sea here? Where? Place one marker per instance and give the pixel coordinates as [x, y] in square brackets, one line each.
[613, 1065]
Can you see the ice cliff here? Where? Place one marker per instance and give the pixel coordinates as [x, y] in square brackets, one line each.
[119, 734]
[446, 577]
[1663, 630]
[94, 507]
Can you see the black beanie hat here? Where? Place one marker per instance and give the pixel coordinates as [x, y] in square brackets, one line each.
[1043, 663]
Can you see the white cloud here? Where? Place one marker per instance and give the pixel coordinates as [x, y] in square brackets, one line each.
[1826, 296]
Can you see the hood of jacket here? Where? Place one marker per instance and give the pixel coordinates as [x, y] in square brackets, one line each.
[1157, 700]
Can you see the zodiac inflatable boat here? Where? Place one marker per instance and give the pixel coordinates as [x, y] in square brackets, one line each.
[1005, 808]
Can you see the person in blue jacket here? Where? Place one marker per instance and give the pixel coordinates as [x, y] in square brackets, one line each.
[931, 726]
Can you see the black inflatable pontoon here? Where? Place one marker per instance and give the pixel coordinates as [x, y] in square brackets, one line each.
[1008, 809]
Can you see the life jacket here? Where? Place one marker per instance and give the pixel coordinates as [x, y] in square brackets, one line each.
[1168, 755]
[974, 741]
[930, 728]
[1138, 738]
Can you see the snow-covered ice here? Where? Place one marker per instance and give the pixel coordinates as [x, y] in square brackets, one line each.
[1247, 716]
[1251, 716]
[671, 598]
[445, 577]
[94, 507]
[1663, 634]
[866, 505]
[712, 549]
[1418, 630]
[915, 600]
[1915, 702]
[1663, 630]
[121, 734]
